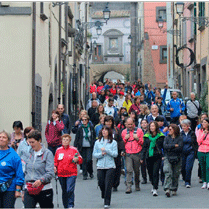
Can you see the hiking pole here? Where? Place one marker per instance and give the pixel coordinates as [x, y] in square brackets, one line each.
[56, 178]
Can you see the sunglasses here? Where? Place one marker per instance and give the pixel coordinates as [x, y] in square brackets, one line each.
[84, 119]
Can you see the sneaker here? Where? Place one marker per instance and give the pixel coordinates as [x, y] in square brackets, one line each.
[174, 193]
[137, 188]
[188, 185]
[155, 192]
[92, 176]
[123, 172]
[81, 171]
[204, 185]
[85, 178]
[167, 193]
[128, 190]
[152, 190]
[144, 181]
[208, 186]
[106, 206]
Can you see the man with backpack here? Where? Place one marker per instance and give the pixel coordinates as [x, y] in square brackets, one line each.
[133, 139]
[193, 110]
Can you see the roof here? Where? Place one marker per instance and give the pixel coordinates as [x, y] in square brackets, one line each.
[113, 14]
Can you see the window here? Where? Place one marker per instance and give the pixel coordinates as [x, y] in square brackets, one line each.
[161, 13]
[163, 54]
[201, 7]
[185, 32]
[38, 93]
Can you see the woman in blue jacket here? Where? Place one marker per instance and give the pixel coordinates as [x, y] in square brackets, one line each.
[105, 150]
[190, 147]
[11, 174]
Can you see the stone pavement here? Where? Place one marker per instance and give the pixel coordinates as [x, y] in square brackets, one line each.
[88, 195]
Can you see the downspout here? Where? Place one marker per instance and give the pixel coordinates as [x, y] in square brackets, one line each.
[60, 19]
[86, 59]
[33, 63]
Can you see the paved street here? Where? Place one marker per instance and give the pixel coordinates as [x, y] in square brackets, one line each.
[87, 195]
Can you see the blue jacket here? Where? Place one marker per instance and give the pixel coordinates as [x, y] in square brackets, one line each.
[150, 119]
[10, 166]
[66, 120]
[138, 93]
[177, 106]
[97, 129]
[189, 141]
[105, 161]
[165, 133]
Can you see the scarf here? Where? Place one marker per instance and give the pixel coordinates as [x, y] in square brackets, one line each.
[86, 130]
[152, 144]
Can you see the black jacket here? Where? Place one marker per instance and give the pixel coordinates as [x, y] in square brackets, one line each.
[79, 138]
[157, 150]
[169, 146]
[117, 137]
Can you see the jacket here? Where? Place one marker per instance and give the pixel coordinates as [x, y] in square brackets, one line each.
[169, 146]
[177, 106]
[75, 128]
[189, 142]
[105, 161]
[98, 128]
[66, 120]
[157, 149]
[10, 166]
[79, 138]
[133, 146]
[53, 133]
[135, 108]
[112, 111]
[117, 137]
[63, 161]
[127, 106]
[203, 141]
[191, 109]
[150, 118]
[41, 168]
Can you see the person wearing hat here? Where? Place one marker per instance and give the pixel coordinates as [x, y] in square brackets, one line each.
[121, 99]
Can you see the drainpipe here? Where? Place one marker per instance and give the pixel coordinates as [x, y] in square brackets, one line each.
[33, 62]
[59, 64]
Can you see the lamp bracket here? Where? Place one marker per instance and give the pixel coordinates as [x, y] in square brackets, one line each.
[173, 32]
[203, 21]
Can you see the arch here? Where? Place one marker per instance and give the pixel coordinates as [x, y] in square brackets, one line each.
[99, 70]
[113, 32]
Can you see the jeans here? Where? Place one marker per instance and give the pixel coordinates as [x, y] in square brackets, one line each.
[144, 170]
[44, 198]
[117, 172]
[132, 164]
[187, 165]
[172, 173]
[204, 165]
[153, 166]
[7, 199]
[53, 149]
[68, 188]
[105, 181]
[87, 165]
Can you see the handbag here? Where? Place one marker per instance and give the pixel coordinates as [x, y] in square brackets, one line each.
[173, 159]
[34, 190]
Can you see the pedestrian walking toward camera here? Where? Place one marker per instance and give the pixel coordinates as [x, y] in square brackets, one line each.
[53, 131]
[39, 172]
[11, 174]
[173, 145]
[133, 139]
[105, 150]
[84, 141]
[17, 136]
[193, 110]
[65, 165]
[203, 152]
[189, 153]
[152, 152]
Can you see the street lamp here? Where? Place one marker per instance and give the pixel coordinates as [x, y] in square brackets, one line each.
[106, 14]
[95, 44]
[160, 22]
[129, 39]
[179, 8]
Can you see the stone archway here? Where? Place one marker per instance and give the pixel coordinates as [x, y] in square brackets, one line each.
[97, 70]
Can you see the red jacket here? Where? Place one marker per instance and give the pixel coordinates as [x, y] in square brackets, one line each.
[53, 133]
[93, 88]
[63, 161]
[113, 91]
[133, 146]
[99, 88]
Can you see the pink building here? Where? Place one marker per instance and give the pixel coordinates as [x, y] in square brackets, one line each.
[155, 44]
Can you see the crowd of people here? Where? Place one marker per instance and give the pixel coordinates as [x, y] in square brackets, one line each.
[124, 127]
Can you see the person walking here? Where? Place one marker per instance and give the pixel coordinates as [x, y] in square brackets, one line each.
[203, 152]
[65, 165]
[190, 147]
[193, 110]
[176, 107]
[53, 131]
[84, 141]
[11, 174]
[97, 114]
[105, 150]
[133, 139]
[127, 103]
[173, 145]
[39, 172]
[152, 152]
[65, 119]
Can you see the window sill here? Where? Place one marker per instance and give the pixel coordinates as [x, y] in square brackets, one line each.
[163, 61]
[113, 55]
